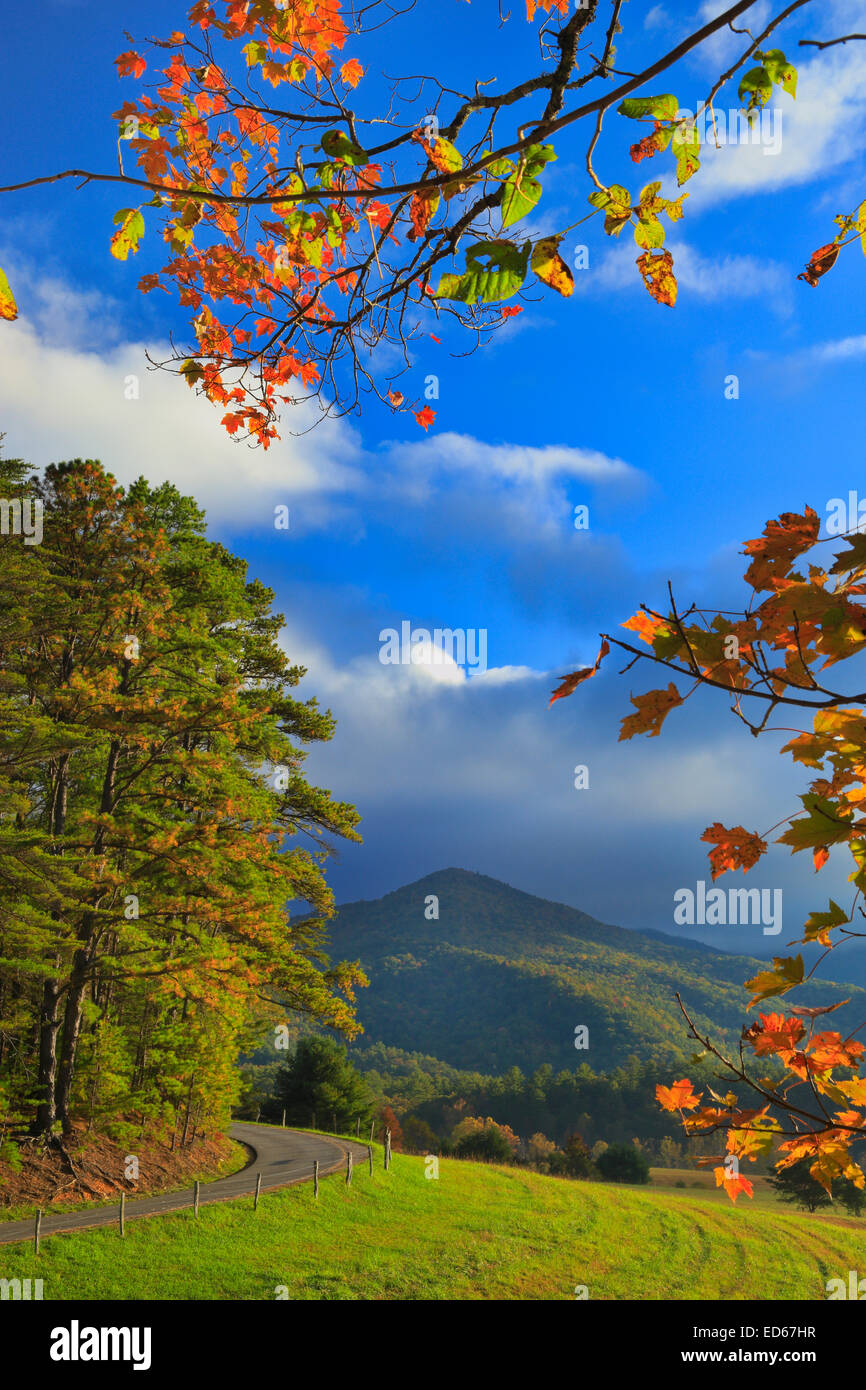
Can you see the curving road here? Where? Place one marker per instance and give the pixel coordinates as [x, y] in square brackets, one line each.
[282, 1156]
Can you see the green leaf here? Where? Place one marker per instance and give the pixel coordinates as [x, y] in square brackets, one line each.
[497, 279]
[255, 53]
[335, 232]
[820, 922]
[822, 826]
[686, 147]
[500, 168]
[649, 233]
[757, 85]
[780, 71]
[523, 190]
[337, 145]
[313, 249]
[788, 971]
[130, 224]
[663, 108]
[192, 371]
[616, 203]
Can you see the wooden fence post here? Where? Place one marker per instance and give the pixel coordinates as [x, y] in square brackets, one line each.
[387, 1149]
[349, 1168]
[315, 1177]
[123, 1213]
[372, 1127]
[284, 1119]
[370, 1153]
[37, 1230]
[358, 1128]
[258, 1190]
[195, 1199]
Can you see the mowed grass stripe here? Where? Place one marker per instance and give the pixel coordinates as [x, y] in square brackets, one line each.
[476, 1232]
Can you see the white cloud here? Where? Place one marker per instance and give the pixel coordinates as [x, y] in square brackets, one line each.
[520, 464]
[59, 402]
[657, 18]
[818, 354]
[62, 398]
[723, 47]
[719, 278]
[842, 350]
[820, 131]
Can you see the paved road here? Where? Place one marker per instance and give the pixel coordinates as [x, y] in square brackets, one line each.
[282, 1156]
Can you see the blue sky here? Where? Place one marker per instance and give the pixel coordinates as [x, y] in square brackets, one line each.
[606, 399]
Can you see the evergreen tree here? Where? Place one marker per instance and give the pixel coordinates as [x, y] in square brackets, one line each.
[796, 1185]
[319, 1079]
[623, 1163]
[151, 760]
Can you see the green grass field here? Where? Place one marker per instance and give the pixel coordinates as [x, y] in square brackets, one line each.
[477, 1232]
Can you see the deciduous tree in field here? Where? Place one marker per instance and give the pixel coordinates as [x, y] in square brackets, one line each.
[312, 210]
[777, 661]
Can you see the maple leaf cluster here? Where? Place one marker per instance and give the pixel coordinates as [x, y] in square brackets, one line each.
[804, 620]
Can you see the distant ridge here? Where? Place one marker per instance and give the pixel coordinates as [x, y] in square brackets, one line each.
[503, 978]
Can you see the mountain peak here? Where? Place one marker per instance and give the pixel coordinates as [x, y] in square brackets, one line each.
[485, 976]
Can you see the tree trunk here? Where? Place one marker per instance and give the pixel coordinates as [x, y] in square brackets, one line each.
[84, 957]
[49, 1016]
[71, 1031]
[46, 1112]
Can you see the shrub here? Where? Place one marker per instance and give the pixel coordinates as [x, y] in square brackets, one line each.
[623, 1163]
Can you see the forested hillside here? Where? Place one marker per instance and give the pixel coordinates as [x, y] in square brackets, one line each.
[503, 979]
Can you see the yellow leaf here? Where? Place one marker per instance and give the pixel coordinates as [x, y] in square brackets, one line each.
[8, 307]
[550, 267]
[657, 269]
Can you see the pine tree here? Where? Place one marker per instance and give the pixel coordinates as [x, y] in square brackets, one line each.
[152, 768]
[319, 1079]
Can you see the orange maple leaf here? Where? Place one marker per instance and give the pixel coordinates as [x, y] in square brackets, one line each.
[645, 626]
[651, 710]
[351, 72]
[735, 849]
[733, 1186]
[130, 64]
[561, 6]
[679, 1096]
[774, 552]
[425, 417]
[421, 209]
[774, 1034]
